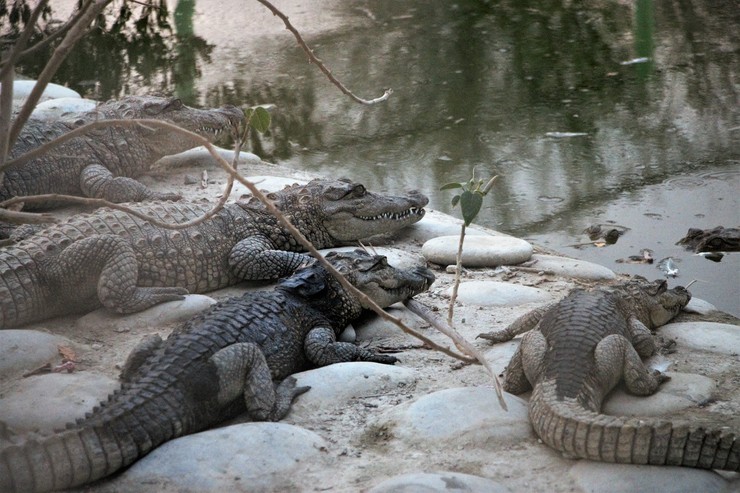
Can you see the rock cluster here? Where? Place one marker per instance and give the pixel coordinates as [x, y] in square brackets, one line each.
[426, 424]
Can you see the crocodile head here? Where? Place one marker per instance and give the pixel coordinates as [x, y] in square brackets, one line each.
[346, 211]
[371, 274]
[657, 304]
[208, 123]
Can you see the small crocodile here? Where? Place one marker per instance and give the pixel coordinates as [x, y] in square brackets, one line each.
[719, 239]
[126, 264]
[575, 351]
[217, 365]
[103, 163]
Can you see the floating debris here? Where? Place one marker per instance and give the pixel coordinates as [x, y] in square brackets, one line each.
[565, 135]
[668, 267]
[713, 256]
[643, 59]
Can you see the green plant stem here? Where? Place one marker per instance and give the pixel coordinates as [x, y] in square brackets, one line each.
[458, 270]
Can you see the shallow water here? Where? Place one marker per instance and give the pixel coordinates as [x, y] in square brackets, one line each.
[621, 111]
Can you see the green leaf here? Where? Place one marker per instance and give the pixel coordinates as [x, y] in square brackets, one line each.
[455, 200]
[260, 119]
[470, 203]
[450, 186]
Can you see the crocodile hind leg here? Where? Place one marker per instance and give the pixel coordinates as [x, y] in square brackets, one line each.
[98, 182]
[528, 321]
[138, 356]
[243, 371]
[526, 363]
[616, 358]
[108, 262]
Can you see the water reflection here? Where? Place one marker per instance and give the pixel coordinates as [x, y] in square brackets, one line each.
[489, 85]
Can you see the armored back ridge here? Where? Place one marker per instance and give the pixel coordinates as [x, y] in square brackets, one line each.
[217, 365]
[124, 263]
[575, 351]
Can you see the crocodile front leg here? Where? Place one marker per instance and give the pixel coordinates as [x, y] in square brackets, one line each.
[109, 260]
[255, 257]
[243, 371]
[322, 349]
[97, 181]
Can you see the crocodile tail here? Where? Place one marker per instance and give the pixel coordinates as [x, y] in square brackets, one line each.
[576, 432]
[64, 460]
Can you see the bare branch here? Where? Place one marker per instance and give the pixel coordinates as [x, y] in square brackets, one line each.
[313, 58]
[424, 312]
[17, 217]
[93, 9]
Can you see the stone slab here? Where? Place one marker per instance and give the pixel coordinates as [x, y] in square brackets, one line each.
[478, 250]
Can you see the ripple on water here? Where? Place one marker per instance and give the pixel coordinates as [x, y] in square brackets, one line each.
[550, 199]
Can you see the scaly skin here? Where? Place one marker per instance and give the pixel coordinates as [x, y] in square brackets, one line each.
[103, 162]
[213, 368]
[116, 260]
[575, 351]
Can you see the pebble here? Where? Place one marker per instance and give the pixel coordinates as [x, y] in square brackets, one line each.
[171, 312]
[494, 293]
[568, 267]
[478, 250]
[253, 457]
[334, 385]
[699, 306]
[67, 107]
[682, 391]
[22, 89]
[438, 482]
[48, 402]
[622, 478]
[264, 183]
[22, 351]
[440, 419]
[199, 157]
[707, 336]
[435, 224]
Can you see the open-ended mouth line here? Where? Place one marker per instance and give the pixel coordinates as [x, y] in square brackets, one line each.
[393, 215]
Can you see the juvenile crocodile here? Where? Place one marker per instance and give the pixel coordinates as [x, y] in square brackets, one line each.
[124, 263]
[213, 368]
[719, 239]
[574, 352]
[103, 163]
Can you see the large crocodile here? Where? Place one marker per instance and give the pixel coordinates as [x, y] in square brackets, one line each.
[574, 352]
[103, 163]
[214, 367]
[114, 259]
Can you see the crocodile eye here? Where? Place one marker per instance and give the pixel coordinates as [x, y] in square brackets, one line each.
[359, 190]
[175, 104]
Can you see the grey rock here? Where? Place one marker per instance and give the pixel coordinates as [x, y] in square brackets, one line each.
[199, 157]
[500, 355]
[348, 334]
[682, 391]
[24, 350]
[564, 266]
[459, 417]
[168, 313]
[596, 477]
[66, 107]
[334, 385]
[264, 183]
[707, 336]
[435, 224]
[22, 88]
[249, 457]
[478, 250]
[48, 402]
[438, 482]
[699, 306]
[373, 328]
[494, 293]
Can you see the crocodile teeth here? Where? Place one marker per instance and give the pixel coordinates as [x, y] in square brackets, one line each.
[393, 215]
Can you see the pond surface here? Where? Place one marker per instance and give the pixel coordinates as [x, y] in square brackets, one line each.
[619, 112]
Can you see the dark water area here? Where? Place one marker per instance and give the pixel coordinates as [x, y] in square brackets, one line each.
[603, 112]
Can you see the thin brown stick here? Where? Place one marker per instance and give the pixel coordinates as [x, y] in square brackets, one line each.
[313, 58]
[425, 313]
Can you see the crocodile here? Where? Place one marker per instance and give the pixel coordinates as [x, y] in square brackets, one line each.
[719, 239]
[574, 352]
[114, 259]
[103, 163]
[214, 367]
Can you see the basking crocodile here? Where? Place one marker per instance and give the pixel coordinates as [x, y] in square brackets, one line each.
[113, 259]
[213, 368]
[102, 163]
[574, 352]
